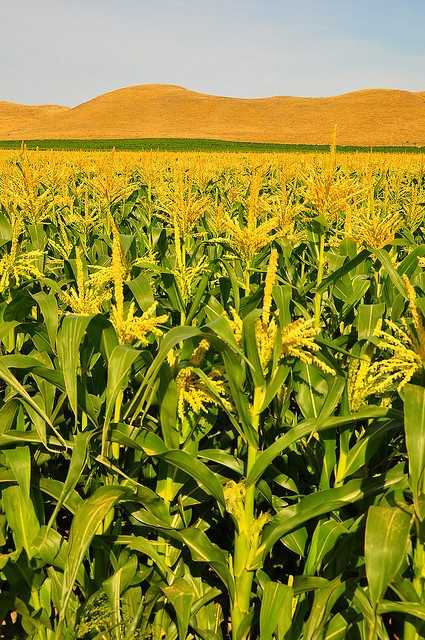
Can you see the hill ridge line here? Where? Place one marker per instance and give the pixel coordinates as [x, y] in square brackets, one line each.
[364, 117]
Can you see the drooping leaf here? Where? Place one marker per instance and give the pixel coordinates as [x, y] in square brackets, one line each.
[196, 469]
[12, 381]
[321, 502]
[87, 518]
[181, 596]
[78, 460]
[308, 427]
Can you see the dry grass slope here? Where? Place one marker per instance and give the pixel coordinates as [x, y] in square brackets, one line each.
[21, 116]
[367, 117]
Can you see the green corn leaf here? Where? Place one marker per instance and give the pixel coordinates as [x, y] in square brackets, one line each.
[38, 422]
[234, 282]
[230, 414]
[414, 426]
[311, 387]
[19, 460]
[200, 607]
[324, 539]
[142, 291]
[68, 343]
[76, 466]
[276, 610]
[87, 518]
[173, 337]
[168, 416]
[52, 548]
[244, 627]
[235, 377]
[404, 588]
[332, 400]
[8, 414]
[203, 550]
[336, 628]
[368, 316]
[282, 295]
[6, 229]
[122, 357]
[51, 376]
[346, 268]
[153, 503]
[48, 390]
[221, 327]
[250, 342]
[115, 586]
[415, 609]
[198, 543]
[19, 307]
[21, 517]
[181, 596]
[386, 538]
[196, 469]
[296, 541]
[275, 385]
[360, 287]
[102, 335]
[151, 520]
[385, 259]
[324, 598]
[365, 448]
[54, 488]
[223, 458]
[49, 308]
[12, 381]
[16, 437]
[147, 548]
[207, 634]
[20, 361]
[6, 327]
[136, 438]
[409, 264]
[43, 380]
[173, 291]
[308, 427]
[321, 502]
[200, 291]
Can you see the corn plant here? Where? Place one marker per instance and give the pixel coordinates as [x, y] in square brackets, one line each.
[212, 396]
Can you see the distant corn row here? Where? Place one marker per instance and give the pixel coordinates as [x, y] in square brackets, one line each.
[212, 402]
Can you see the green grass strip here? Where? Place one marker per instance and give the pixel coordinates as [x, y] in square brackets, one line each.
[193, 144]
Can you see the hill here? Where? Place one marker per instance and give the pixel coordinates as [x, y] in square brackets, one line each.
[366, 117]
[20, 116]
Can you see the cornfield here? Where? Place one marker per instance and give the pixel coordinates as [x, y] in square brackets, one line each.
[212, 406]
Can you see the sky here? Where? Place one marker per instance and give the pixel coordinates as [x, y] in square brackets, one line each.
[70, 51]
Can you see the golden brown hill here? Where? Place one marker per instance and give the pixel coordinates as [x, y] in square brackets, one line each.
[367, 117]
[14, 116]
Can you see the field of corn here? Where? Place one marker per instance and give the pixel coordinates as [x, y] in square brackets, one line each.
[212, 396]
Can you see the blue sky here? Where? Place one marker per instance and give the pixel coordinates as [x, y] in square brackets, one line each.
[69, 51]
